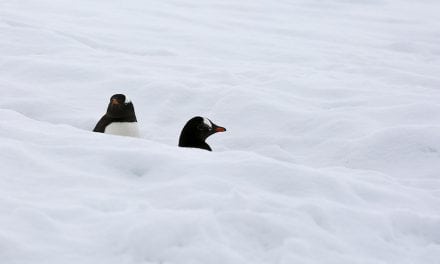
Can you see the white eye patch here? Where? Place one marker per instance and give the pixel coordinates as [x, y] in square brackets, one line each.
[127, 100]
[207, 122]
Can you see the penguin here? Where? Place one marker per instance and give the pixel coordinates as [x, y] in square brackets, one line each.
[196, 131]
[120, 118]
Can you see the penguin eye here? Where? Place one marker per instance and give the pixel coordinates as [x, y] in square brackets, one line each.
[203, 127]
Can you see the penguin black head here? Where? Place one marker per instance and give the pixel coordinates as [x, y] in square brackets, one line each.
[196, 131]
[121, 107]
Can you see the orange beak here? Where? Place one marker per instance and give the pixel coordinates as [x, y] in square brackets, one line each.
[220, 129]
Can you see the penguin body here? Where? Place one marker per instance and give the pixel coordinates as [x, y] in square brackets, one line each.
[129, 129]
[120, 118]
[196, 131]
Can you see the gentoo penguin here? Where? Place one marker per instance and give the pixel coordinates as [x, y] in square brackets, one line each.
[196, 131]
[120, 118]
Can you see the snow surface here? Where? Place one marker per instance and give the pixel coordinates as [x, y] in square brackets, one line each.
[332, 153]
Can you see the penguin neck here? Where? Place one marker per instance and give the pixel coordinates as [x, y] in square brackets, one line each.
[128, 118]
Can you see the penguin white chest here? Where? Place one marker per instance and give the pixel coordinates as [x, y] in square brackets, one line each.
[128, 129]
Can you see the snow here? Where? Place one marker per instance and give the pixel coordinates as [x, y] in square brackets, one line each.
[331, 154]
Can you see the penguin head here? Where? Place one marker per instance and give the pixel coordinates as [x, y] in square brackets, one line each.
[117, 99]
[120, 107]
[196, 131]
